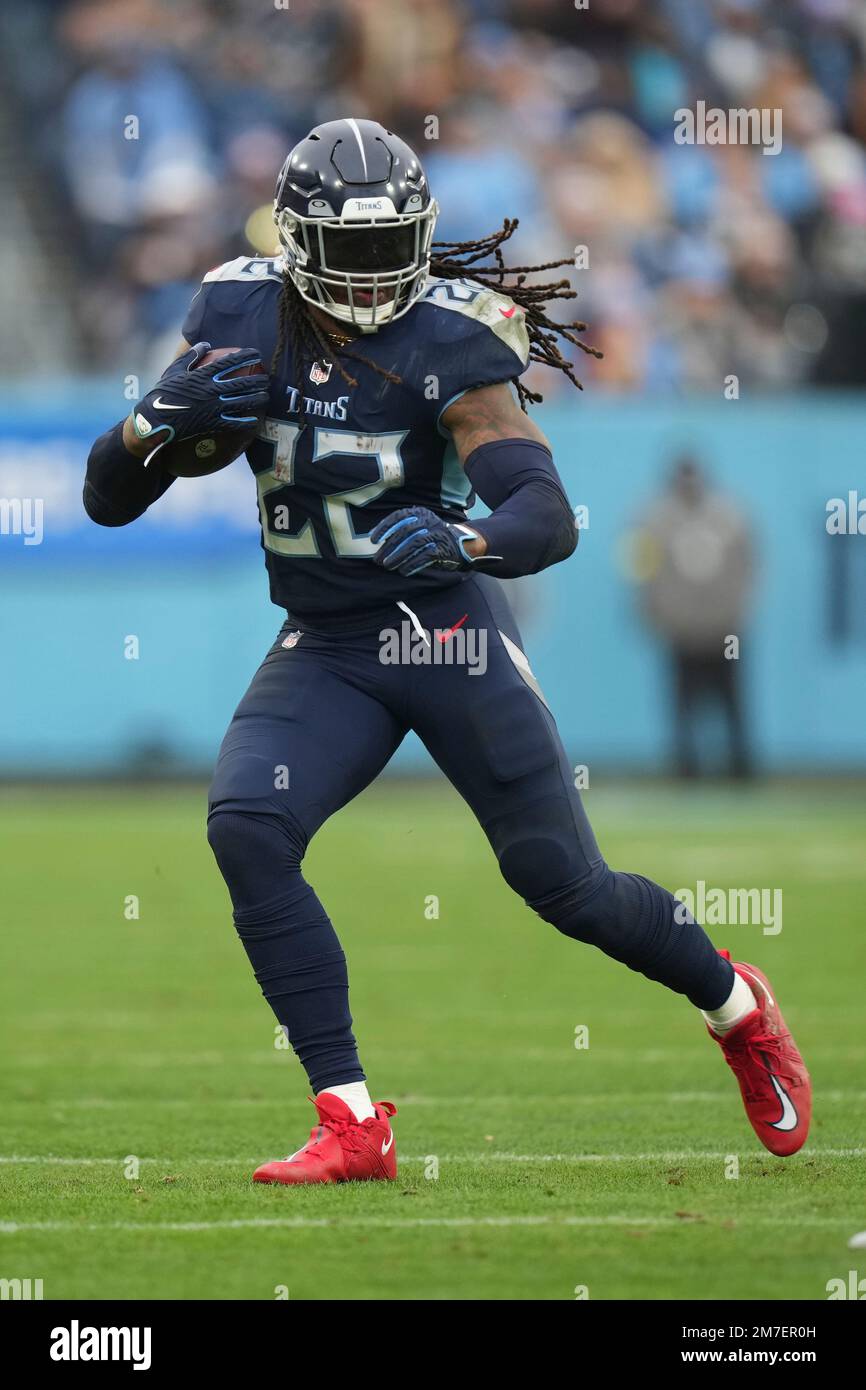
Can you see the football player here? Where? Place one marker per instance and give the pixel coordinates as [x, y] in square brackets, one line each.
[393, 396]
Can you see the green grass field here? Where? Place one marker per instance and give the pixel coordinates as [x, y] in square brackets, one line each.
[602, 1167]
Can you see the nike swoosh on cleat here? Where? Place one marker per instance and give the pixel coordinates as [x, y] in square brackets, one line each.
[789, 1118]
[160, 404]
[386, 1147]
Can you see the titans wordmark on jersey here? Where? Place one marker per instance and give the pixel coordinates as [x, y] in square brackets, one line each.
[363, 451]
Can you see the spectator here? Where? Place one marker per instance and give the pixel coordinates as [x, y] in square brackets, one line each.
[703, 259]
[696, 565]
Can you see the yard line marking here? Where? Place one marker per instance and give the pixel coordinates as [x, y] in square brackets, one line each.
[553, 1053]
[662, 1156]
[578, 1098]
[407, 1223]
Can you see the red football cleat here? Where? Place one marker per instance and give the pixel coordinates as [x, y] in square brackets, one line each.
[772, 1076]
[340, 1148]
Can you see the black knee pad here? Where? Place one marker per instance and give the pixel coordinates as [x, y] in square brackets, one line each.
[532, 863]
[538, 848]
[259, 854]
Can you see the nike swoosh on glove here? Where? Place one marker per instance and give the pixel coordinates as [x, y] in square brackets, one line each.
[189, 400]
[414, 538]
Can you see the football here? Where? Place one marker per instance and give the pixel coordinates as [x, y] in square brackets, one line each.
[201, 454]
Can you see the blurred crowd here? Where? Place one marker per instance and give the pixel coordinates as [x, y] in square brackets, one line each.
[161, 124]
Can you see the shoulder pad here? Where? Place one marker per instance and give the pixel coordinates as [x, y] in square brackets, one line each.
[478, 307]
[247, 268]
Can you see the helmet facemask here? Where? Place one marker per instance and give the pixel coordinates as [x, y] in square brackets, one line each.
[383, 259]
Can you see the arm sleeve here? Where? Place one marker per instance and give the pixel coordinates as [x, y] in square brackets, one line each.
[117, 486]
[531, 524]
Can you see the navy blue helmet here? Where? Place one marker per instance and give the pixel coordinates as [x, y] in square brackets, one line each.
[355, 220]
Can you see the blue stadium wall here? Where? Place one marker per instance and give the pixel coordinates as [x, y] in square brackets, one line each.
[188, 581]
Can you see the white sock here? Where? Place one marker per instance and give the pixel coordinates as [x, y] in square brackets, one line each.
[356, 1096]
[740, 1001]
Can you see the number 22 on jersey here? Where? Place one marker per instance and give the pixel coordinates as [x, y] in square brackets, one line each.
[283, 437]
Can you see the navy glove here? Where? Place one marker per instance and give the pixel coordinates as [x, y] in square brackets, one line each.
[414, 538]
[189, 400]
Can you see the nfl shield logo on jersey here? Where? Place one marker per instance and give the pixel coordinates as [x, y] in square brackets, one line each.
[292, 640]
[319, 372]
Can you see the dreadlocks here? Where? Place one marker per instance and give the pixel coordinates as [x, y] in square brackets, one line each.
[452, 260]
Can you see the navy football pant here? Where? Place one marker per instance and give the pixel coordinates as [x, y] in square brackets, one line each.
[320, 721]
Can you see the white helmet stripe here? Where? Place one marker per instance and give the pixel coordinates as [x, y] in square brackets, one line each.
[357, 134]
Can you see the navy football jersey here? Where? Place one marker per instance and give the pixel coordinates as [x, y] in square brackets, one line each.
[362, 451]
